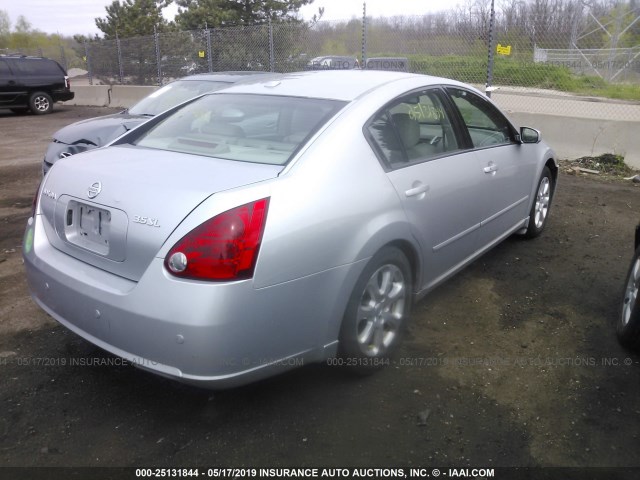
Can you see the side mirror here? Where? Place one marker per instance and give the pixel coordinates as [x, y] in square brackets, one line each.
[529, 135]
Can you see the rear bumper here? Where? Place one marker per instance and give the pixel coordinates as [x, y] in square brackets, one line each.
[212, 335]
[63, 96]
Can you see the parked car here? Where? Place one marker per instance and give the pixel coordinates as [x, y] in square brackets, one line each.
[281, 222]
[97, 132]
[628, 325]
[32, 83]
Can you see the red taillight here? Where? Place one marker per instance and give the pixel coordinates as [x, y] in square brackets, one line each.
[224, 247]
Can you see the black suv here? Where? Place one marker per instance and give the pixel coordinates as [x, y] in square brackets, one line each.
[32, 83]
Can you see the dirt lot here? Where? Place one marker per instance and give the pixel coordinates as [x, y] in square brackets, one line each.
[514, 362]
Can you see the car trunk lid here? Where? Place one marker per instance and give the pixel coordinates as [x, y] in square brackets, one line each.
[114, 208]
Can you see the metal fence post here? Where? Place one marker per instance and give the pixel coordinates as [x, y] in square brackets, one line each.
[120, 69]
[271, 54]
[364, 35]
[492, 20]
[156, 41]
[209, 51]
[63, 57]
[88, 60]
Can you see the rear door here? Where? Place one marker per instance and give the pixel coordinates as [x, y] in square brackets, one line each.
[437, 181]
[8, 92]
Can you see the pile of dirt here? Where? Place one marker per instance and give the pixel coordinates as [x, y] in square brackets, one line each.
[607, 164]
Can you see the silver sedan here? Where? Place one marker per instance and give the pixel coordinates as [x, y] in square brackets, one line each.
[281, 222]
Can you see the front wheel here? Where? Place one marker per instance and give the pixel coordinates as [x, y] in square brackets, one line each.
[377, 312]
[628, 326]
[40, 103]
[542, 203]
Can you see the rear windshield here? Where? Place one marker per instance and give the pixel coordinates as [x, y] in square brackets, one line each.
[247, 128]
[174, 94]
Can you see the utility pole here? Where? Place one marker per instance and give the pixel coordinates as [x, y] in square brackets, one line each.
[492, 20]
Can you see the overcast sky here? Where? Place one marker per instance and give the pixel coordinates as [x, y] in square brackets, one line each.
[69, 17]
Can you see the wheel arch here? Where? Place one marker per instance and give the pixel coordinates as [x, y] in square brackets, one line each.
[413, 257]
[552, 165]
[376, 243]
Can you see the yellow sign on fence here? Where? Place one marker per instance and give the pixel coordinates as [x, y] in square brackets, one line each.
[504, 50]
[201, 53]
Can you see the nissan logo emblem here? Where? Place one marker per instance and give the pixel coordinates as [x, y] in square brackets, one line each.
[94, 190]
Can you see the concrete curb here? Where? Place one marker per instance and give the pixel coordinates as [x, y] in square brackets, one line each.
[109, 95]
[93, 95]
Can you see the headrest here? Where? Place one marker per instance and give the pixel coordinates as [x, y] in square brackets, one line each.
[408, 128]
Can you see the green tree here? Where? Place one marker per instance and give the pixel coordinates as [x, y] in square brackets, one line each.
[133, 18]
[23, 25]
[5, 29]
[194, 14]
[23, 35]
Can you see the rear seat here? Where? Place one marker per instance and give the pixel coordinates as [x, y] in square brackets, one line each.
[409, 130]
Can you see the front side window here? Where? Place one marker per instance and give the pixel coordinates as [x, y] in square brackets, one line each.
[248, 128]
[415, 128]
[486, 125]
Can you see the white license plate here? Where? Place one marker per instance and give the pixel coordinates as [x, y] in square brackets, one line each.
[88, 226]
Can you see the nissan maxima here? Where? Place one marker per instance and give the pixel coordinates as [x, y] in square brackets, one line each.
[97, 132]
[281, 222]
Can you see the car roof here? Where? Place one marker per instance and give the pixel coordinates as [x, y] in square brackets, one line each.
[19, 56]
[228, 77]
[345, 85]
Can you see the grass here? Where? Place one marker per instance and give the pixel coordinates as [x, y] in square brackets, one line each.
[515, 72]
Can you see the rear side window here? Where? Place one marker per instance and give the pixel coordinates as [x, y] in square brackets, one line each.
[413, 129]
[28, 66]
[5, 71]
[247, 128]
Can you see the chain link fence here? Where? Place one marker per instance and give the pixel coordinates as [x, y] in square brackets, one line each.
[531, 53]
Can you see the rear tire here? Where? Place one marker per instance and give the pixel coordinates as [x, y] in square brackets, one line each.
[377, 312]
[628, 325]
[539, 212]
[40, 103]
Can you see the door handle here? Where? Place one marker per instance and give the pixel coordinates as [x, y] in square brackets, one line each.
[491, 168]
[417, 190]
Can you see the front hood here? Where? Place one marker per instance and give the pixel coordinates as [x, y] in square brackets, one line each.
[115, 207]
[98, 131]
